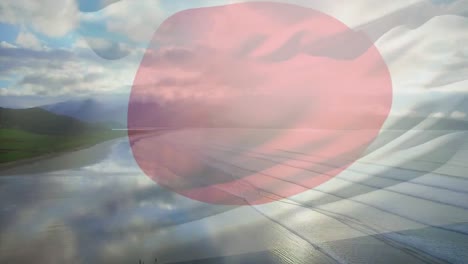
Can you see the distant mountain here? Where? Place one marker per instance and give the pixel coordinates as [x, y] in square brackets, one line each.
[92, 110]
[40, 121]
[244, 113]
[195, 113]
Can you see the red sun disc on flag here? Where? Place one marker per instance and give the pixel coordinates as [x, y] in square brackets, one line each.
[255, 102]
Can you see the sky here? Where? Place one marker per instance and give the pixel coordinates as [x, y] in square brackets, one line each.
[58, 50]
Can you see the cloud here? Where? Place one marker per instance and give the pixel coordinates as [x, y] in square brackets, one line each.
[438, 115]
[457, 115]
[136, 20]
[418, 56]
[59, 72]
[108, 49]
[454, 115]
[4, 44]
[167, 56]
[28, 40]
[50, 17]
[356, 13]
[139, 19]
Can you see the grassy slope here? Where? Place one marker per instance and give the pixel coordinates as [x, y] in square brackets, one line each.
[28, 133]
[37, 120]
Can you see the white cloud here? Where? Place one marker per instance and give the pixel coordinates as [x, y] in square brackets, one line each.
[432, 56]
[438, 115]
[457, 115]
[50, 17]
[80, 43]
[65, 73]
[4, 44]
[352, 13]
[135, 19]
[28, 40]
[139, 19]
[107, 49]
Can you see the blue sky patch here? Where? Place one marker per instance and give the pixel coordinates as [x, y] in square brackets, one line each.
[8, 32]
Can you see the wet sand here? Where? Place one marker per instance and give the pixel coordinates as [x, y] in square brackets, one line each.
[402, 206]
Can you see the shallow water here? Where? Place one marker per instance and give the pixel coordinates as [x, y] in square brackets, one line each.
[399, 204]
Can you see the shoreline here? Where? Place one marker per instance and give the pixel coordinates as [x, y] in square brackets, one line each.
[28, 161]
[17, 163]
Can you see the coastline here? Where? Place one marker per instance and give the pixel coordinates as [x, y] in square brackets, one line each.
[17, 163]
[7, 166]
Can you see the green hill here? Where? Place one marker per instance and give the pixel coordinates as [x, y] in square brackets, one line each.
[37, 120]
[33, 132]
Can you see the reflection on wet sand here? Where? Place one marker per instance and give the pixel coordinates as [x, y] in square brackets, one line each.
[406, 207]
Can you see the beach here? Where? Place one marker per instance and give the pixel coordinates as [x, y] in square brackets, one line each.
[378, 210]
